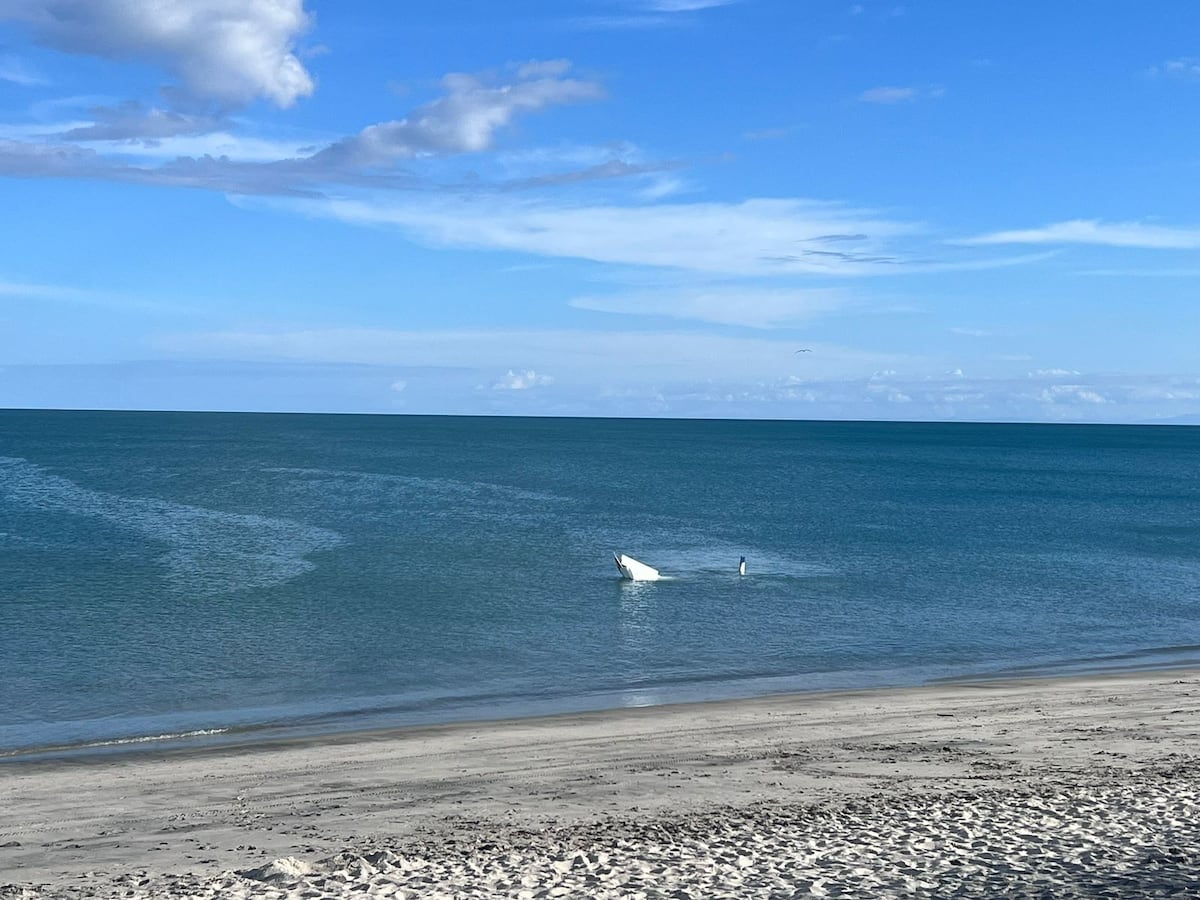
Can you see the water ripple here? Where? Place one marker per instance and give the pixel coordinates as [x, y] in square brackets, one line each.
[208, 551]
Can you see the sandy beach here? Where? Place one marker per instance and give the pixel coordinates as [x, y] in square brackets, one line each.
[1081, 786]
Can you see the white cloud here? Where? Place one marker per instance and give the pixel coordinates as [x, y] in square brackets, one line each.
[543, 68]
[1071, 394]
[970, 332]
[889, 95]
[1054, 373]
[611, 358]
[133, 120]
[522, 381]
[231, 51]
[754, 237]
[768, 134]
[465, 120]
[1091, 231]
[750, 307]
[1141, 273]
[663, 187]
[568, 164]
[195, 151]
[650, 14]
[1168, 391]
[1185, 67]
[633, 373]
[43, 291]
[399, 386]
[218, 148]
[66, 294]
[621, 22]
[674, 6]
[525, 161]
[14, 71]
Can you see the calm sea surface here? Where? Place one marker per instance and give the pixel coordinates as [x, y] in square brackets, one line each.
[164, 574]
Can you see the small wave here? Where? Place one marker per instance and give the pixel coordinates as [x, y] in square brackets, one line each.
[85, 746]
[423, 483]
[1144, 659]
[149, 738]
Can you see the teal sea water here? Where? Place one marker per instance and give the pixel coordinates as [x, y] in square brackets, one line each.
[220, 575]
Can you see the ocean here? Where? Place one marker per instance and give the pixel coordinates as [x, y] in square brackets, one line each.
[174, 578]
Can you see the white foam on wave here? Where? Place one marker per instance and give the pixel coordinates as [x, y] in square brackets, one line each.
[119, 742]
[154, 738]
[208, 551]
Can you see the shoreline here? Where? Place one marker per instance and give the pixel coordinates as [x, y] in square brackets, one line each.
[283, 732]
[641, 782]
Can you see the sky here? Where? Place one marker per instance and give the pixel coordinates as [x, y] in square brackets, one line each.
[792, 209]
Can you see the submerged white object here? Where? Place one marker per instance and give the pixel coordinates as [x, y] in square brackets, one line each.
[633, 570]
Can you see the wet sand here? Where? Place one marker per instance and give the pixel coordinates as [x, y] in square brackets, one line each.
[1079, 786]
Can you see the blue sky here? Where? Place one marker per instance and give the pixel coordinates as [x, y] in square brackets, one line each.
[962, 211]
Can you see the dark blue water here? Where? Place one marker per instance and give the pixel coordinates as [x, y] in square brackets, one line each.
[169, 573]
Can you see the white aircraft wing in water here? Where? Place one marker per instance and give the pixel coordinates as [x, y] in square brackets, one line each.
[633, 570]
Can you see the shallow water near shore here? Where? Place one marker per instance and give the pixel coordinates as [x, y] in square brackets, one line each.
[175, 577]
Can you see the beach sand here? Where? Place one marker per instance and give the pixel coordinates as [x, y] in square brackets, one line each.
[1080, 786]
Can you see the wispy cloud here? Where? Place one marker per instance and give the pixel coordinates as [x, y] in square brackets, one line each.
[755, 237]
[736, 381]
[43, 291]
[663, 187]
[1092, 231]
[888, 95]
[619, 22]
[1186, 68]
[725, 305]
[628, 372]
[75, 296]
[1070, 395]
[132, 120]
[768, 134]
[217, 149]
[14, 71]
[1054, 373]
[648, 14]
[892, 95]
[465, 120]
[612, 357]
[1142, 273]
[676, 6]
